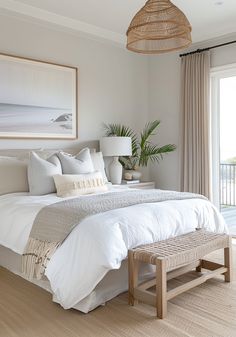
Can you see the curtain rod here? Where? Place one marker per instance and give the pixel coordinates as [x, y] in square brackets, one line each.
[209, 48]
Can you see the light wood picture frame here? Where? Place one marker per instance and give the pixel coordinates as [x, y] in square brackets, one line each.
[38, 99]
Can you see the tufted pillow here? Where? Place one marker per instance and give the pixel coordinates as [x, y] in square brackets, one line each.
[13, 175]
[79, 164]
[69, 185]
[41, 172]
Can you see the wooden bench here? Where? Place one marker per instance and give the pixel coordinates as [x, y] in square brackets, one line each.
[174, 257]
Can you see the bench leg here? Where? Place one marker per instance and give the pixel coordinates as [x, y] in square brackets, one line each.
[228, 263]
[199, 268]
[161, 289]
[133, 266]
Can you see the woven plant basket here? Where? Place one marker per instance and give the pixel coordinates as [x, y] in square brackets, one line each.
[159, 27]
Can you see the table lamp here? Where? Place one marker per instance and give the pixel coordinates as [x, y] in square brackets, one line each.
[115, 147]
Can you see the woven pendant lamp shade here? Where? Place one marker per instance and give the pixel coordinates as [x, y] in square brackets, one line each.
[159, 27]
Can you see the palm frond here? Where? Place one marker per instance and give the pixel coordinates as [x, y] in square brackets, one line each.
[142, 149]
[122, 131]
[154, 153]
[118, 130]
[148, 131]
[129, 163]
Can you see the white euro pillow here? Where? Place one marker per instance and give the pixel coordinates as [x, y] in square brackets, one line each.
[71, 185]
[41, 172]
[99, 165]
[79, 164]
[13, 175]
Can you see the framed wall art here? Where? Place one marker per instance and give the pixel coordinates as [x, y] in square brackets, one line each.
[37, 99]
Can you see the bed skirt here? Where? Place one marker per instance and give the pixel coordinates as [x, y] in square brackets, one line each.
[113, 284]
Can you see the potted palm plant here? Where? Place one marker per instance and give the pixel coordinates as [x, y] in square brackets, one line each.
[143, 150]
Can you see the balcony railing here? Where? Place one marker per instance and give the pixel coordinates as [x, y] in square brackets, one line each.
[228, 184]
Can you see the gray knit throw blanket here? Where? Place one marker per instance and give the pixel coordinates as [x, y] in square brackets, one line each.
[55, 222]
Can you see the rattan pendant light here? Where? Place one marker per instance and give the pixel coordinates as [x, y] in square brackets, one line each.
[159, 27]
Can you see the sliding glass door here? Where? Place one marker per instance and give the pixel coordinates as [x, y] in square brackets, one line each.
[223, 112]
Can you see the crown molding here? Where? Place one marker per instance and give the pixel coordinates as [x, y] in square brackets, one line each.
[19, 9]
[211, 41]
[45, 18]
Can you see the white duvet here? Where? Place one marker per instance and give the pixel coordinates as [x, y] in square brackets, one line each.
[101, 241]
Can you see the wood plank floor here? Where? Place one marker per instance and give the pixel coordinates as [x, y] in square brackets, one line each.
[206, 311]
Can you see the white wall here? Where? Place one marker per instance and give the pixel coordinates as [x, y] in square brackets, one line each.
[114, 86]
[164, 96]
[113, 83]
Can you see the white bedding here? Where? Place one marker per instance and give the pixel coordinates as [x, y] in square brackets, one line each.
[101, 241]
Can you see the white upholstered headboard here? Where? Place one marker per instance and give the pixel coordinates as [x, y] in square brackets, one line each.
[45, 153]
[73, 148]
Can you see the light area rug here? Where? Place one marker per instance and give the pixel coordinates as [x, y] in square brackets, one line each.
[206, 311]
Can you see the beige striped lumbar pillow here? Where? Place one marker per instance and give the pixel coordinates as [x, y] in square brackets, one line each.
[69, 185]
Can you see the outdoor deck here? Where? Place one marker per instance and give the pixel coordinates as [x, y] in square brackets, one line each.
[229, 214]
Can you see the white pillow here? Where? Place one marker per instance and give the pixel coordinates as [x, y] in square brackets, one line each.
[41, 172]
[98, 163]
[13, 176]
[81, 163]
[70, 185]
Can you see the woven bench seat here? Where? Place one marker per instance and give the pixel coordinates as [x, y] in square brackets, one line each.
[174, 257]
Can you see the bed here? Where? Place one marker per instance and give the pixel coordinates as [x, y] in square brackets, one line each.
[90, 267]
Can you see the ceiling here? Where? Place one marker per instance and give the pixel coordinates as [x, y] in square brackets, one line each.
[109, 19]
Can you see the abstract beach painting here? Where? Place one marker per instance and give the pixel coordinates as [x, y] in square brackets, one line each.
[37, 99]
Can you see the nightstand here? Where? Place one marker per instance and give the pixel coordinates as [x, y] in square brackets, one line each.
[148, 185]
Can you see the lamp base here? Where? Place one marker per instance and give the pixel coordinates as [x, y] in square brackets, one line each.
[115, 171]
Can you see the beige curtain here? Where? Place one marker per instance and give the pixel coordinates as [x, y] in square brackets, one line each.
[195, 161]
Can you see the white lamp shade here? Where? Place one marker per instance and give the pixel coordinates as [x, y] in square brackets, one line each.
[116, 146]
